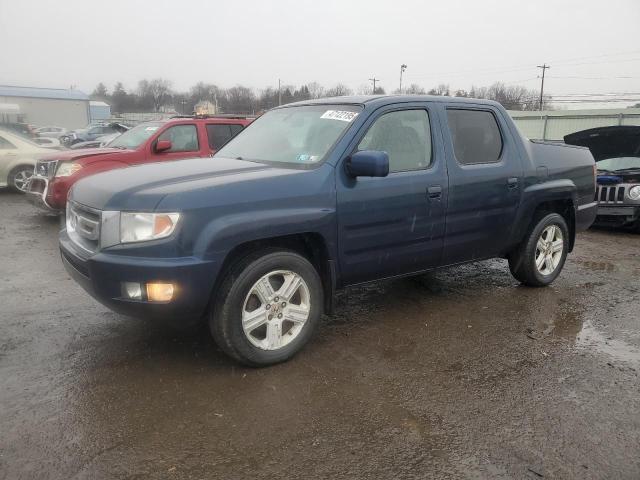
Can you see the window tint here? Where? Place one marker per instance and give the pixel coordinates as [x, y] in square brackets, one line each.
[183, 138]
[221, 134]
[405, 136]
[476, 136]
[5, 144]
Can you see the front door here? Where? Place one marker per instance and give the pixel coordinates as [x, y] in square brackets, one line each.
[394, 225]
[184, 143]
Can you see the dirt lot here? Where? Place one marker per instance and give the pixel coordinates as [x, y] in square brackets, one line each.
[461, 373]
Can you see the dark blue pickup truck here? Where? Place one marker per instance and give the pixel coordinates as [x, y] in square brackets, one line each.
[317, 196]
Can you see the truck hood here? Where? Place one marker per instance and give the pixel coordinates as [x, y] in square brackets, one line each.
[87, 153]
[608, 142]
[142, 187]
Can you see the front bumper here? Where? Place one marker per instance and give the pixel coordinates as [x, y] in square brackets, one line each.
[38, 195]
[102, 274]
[618, 215]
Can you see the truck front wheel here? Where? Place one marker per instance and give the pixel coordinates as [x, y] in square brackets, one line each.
[541, 255]
[268, 307]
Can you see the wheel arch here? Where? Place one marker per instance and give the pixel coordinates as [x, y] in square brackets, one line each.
[311, 245]
[556, 196]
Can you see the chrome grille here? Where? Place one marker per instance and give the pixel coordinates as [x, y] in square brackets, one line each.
[610, 194]
[46, 169]
[83, 225]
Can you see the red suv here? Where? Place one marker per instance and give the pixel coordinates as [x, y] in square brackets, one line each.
[173, 139]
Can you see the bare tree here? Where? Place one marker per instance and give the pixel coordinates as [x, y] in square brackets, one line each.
[441, 90]
[160, 91]
[154, 93]
[414, 89]
[240, 99]
[340, 90]
[315, 90]
[513, 97]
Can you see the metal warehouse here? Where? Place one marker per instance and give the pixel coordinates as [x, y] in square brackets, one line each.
[555, 124]
[48, 106]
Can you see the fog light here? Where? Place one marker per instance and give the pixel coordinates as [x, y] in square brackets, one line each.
[159, 292]
[132, 290]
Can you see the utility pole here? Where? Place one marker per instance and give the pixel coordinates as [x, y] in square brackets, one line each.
[544, 67]
[279, 94]
[374, 80]
[403, 67]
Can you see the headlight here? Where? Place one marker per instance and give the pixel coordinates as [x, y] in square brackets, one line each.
[141, 227]
[67, 169]
[634, 192]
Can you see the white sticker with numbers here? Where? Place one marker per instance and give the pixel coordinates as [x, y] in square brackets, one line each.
[342, 115]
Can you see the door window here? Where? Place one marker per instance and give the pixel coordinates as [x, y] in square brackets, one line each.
[220, 134]
[405, 136]
[183, 138]
[475, 135]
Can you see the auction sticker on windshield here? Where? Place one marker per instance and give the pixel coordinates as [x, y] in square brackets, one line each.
[341, 115]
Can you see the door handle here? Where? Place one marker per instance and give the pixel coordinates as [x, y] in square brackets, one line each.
[434, 192]
[512, 183]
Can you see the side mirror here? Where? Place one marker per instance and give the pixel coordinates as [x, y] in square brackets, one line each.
[163, 146]
[368, 163]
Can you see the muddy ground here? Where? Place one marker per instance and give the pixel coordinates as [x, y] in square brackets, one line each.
[461, 373]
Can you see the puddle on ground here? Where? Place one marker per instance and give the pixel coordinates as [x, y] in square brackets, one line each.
[557, 318]
[593, 339]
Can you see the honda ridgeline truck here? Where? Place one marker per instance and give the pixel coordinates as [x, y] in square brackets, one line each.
[316, 196]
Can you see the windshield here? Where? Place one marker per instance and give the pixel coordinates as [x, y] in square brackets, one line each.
[621, 163]
[136, 136]
[297, 135]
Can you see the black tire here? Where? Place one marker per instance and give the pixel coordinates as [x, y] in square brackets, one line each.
[15, 175]
[522, 262]
[225, 320]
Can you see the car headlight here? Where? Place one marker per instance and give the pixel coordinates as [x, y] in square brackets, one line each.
[634, 192]
[66, 169]
[142, 227]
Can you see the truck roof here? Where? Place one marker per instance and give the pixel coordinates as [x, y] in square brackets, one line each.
[381, 100]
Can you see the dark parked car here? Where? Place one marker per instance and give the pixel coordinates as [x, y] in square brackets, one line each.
[92, 132]
[316, 196]
[617, 153]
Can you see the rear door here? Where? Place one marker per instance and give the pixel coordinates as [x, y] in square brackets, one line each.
[485, 178]
[394, 225]
[220, 133]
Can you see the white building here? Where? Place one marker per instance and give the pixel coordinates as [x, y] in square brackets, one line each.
[555, 124]
[48, 106]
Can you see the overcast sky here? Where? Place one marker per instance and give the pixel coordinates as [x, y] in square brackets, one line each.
[255, 42]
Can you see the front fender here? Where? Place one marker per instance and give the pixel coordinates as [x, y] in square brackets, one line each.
[224, 233]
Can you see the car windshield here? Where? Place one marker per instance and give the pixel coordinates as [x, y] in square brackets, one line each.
[136, 136]
[620, 163]
[296, 135]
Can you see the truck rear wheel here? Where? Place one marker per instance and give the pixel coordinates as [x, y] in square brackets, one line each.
[541, 255]
[268, 307]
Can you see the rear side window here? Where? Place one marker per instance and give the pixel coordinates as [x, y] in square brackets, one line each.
[475, 135]
[405, 136]
[221, 134]
[183, 138]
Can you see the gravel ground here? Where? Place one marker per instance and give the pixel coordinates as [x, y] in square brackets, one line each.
[460, 373]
